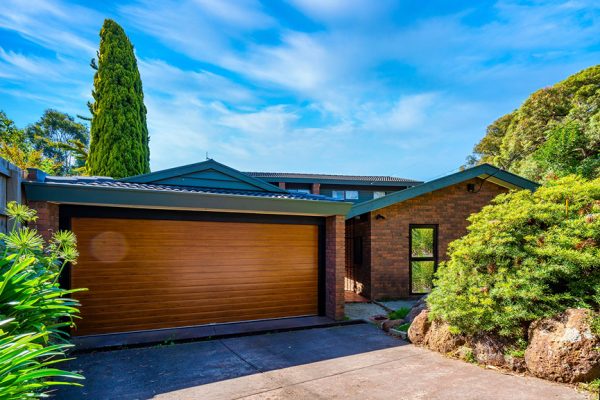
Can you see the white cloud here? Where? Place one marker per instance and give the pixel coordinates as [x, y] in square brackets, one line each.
[203, 30]
[52, 24]
[164, 79]
[333, 11]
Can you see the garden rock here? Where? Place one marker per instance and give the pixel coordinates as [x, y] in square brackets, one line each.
[489, 349]
[564, 348]
[391, 323]
[440, 339]
[417, 332]
[416, 309]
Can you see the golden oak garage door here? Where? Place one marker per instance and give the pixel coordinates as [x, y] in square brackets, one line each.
[149, 274]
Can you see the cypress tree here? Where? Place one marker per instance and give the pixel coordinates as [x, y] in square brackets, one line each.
[119, 134]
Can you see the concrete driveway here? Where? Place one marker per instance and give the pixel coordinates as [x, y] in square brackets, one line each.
[346, 362]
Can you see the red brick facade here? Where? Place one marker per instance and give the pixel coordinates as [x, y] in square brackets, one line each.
[47, 222]
[384, 272]
[334, 266]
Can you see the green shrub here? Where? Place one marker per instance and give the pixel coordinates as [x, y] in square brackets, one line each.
[403, 327]
[526, 256]
[34, 309]
[399, 313]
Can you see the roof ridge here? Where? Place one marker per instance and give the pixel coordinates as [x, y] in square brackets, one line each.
[322, 175]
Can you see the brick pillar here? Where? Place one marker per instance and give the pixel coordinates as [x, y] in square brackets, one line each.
[47, 222]
[335, 227]
[281, 185]
[316, 188]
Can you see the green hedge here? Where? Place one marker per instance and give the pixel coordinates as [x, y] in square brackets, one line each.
[526, 256]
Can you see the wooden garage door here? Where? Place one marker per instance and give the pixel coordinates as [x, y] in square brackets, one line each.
[149, 274]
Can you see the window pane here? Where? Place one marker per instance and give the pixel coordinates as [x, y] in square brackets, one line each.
[422, 242]
[352, 194]
[377, 195]
[337, 194]
[422, 276]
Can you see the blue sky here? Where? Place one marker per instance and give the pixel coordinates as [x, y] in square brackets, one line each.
[383, 87]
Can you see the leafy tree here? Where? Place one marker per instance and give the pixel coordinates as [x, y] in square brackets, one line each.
[58, 136]
[15, 147]
[568, 151]
[513, 140]
[526, 256]
[119, 145]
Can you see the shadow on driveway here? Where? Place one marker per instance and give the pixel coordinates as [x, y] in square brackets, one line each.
[142, 373]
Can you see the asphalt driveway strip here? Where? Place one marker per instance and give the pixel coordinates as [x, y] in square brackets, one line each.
[346, 362]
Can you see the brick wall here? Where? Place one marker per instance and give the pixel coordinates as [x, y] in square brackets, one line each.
[334, 266]
[448, 208]
[47, 221]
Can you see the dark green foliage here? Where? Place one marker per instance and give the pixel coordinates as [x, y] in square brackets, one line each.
[59, 137]
[403, 327]
[119, 145]
[568, 151]
[34, 309]
[526, 256]
[399, 313]
[562, 120]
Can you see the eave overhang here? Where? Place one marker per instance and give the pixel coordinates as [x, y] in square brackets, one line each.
[194, 201]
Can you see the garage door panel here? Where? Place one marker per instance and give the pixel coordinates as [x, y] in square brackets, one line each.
[194, 280]
[194, 303]
[138, 269]
[157, 291]
[218, 317]
[133, 296]
[149, 274]
[192, 265]
[207, 314]
[192, 308]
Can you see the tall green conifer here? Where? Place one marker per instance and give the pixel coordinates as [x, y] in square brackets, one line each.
[119, 134]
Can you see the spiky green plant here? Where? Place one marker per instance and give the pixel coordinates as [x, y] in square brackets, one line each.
[34, 309]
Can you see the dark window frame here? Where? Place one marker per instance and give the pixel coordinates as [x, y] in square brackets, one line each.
[411, 258]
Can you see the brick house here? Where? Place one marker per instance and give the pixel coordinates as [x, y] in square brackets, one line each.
[394, 243]
[194, 251]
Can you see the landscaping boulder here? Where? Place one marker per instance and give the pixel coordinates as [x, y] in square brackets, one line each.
[491, 349]
[564, 348]
[440, 339]
[416, 309]
[391, 323]
[488, 349]
[417, 332]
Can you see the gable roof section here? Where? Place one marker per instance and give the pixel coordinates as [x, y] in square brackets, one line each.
[293, 177]
[483, 171]
[207, 174]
